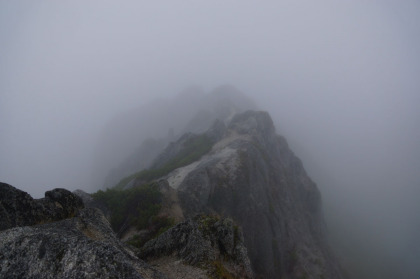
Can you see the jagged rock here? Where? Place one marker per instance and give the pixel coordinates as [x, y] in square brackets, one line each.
[18, 208]
[80, 247]
[253, 177]
[83, 246]
[249, 175]
[203, 241]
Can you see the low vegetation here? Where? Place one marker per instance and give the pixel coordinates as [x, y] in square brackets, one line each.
[220, 272]
[131, 207]
[139, 206]
[194, 148]
[157, 226]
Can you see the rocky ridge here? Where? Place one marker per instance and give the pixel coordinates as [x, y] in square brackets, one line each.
[78, 242]
[132, 131]
[239, 169]
[251, 176]
[18, 208]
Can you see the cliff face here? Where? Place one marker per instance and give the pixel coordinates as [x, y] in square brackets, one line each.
[252, 176]
[260, 216]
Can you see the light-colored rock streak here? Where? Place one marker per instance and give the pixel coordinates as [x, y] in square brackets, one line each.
[177, 176]
[220, 152]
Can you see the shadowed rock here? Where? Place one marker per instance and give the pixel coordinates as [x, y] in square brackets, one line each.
[203, 241]
[40, 240]
[18, 208]
[79, 247]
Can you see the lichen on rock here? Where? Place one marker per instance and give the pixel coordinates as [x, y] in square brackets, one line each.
[18, 208]
[203, 241]
[83, 246]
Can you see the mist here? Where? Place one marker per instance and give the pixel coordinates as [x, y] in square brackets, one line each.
[340, 81]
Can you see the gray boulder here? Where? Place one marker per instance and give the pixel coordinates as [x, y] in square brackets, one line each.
[55, 237]
[18, 208]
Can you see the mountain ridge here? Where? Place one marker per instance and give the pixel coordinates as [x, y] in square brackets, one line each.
[251, 176]
[241, 178]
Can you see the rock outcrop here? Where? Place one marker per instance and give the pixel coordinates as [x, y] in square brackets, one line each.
[18, 208]
[83, 246]
[209, 242]
[251, 176]
[57, 237]
[239, 169]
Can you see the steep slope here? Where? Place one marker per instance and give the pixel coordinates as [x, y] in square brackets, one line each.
[252, 193]
[133, 139]
[251, 176]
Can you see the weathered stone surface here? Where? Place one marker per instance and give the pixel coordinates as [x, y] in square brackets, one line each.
[250, 175]
[79, 247]
[203, 241]
[55, 237]
[253, 177]
[18, 208]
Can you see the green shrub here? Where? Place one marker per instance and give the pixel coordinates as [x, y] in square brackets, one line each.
[131, 207]
[206, 223]
[156, 226]
[193, 149]
[220, 272]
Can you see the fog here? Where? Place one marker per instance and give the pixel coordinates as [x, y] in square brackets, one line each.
[340, 80]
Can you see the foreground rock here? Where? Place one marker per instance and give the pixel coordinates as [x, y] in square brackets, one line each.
[204, 242]
[18, 208]
[80, 247]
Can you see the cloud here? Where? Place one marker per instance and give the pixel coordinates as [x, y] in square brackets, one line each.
[339, 79]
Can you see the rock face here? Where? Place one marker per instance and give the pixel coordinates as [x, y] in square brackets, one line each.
[56, 237]
[18, 208]
[249, 176]
[83, 246]
[252, 176]
[203, 241]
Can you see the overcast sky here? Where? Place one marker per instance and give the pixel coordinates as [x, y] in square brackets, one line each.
[340, 79]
